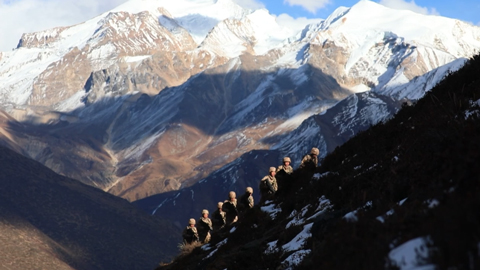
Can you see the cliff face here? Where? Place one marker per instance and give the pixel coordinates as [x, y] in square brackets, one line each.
[400, 195]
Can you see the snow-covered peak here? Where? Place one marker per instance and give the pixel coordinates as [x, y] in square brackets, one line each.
[197, 16]
[368, 19]
[218, 9]
[258, 32]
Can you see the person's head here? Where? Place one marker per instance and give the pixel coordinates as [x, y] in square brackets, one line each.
[191, 222]
[272, 171]
[204, 213]
[232, 195]
[219, 205]
[314, 151]
[286, 161]
[249, 190]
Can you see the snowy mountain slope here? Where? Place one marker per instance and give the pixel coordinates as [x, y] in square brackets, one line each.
[385, 47]
[160, 102]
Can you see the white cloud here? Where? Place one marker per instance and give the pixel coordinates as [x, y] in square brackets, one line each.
[296, 24]
[249, 4]
[310, 5]
[409, 5]
[25, 16]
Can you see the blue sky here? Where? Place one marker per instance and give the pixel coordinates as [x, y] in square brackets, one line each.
[467, 10]
[24, 16]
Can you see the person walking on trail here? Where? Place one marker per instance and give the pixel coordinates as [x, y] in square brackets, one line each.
[268, 185]
[190, 233]
[310, 161]
[230, 208]
[246, 201]
[204, 226]
[286, 168]
[218, 217]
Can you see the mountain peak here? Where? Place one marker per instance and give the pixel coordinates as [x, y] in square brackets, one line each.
[198, 17]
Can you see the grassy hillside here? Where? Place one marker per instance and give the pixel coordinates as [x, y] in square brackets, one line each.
[413, 177]
[48, 221]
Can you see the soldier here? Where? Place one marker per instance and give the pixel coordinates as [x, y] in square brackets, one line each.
[246, 201]
[284, 176]
[230, 208]
[268, 185]
[286, 166]
[218, 217]
[190, 234]
[204, 227]
[310, 160]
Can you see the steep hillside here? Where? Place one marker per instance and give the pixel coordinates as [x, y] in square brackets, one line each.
[48, 221]
[404, 194]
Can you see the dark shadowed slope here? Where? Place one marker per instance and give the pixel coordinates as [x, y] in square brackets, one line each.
[404, 194]
[48, 221]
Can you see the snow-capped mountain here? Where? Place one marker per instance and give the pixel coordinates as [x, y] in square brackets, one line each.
[155, 95]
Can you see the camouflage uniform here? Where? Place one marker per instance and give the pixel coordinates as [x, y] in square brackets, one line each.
[268, 186]
[246, 201]
[190, 233]
[310, 160]
[287, 169]
[230, 209]
[218, 217]
[270, 182]
[204, 227]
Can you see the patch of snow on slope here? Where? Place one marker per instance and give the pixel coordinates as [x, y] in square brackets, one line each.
[18, 69]
[136, 150]
[299, 240]
[415, 89]
[271, 209]
[72, 103]
[297, 114]
[351, 216]
[408, 256]
[131, 59]
[295, 259]
[271, 247]
[158, 206]
[297, 217]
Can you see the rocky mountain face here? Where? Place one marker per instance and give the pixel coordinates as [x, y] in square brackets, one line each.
[154, 96]
[403, 194]
[48, 221]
